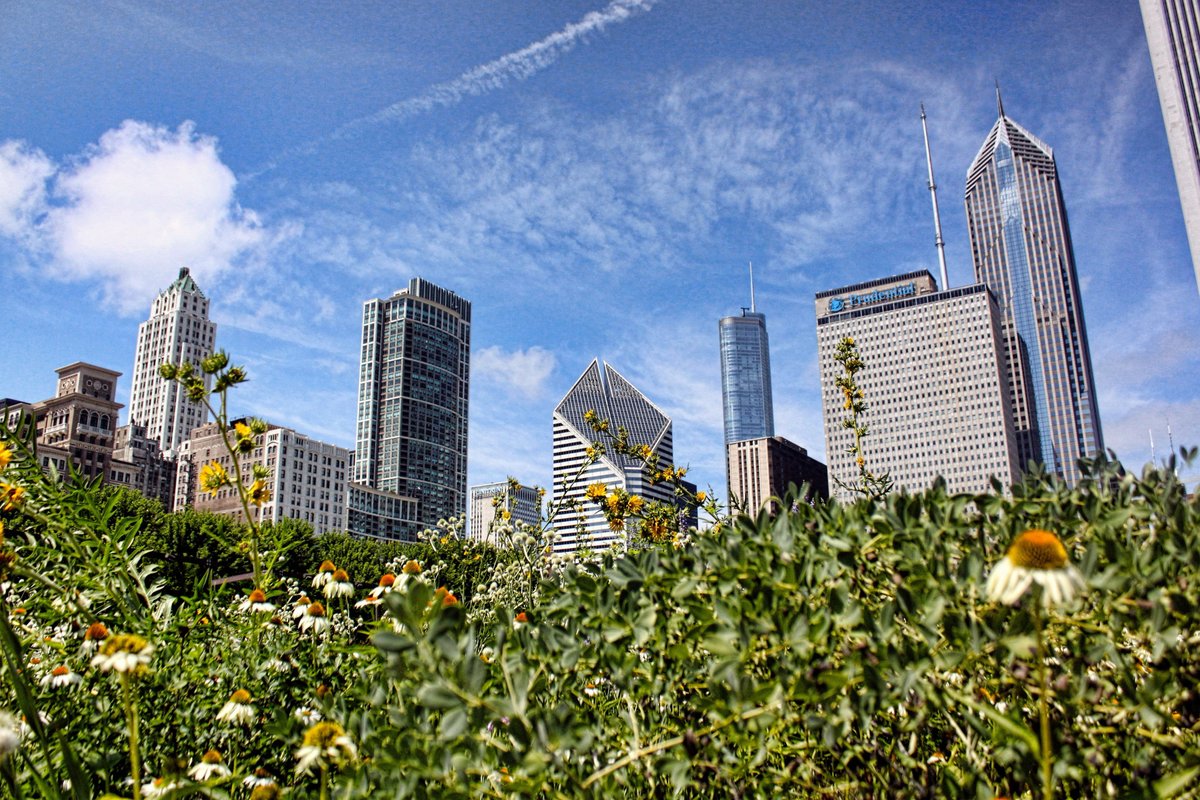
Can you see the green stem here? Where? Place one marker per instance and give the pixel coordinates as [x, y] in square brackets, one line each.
[324, 783]
[1046, 756]
[10, 777]
[131, 719]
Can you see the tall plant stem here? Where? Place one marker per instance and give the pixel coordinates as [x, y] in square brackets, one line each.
[131, 719]
[1046, 754]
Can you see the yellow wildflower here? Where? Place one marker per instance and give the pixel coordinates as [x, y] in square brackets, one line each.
[213, 477]
[11, 495]
[259, 493]
[596, 491]
[5, 455]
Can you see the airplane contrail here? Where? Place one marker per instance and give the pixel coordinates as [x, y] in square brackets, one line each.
[496, 74]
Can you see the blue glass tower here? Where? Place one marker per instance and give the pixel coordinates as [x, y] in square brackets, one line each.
[746, 375]
[1021, 248]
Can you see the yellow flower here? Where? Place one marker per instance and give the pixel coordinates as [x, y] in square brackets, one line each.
[613, 501]
[701, 497]
[259, 493]
[5, 455]
[212, 478]
[243, 430]
[644, 450]
[1036, 556]
[635, 504]
[11, 495]
[596, 491]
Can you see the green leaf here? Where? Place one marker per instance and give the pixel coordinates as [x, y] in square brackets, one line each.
[1172, 785]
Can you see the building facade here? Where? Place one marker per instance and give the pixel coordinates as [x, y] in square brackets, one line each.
[1173, 34]
[410, 466]
[746, 377]
[604, 390]
[177, 331]
[760, 469]
[148, 470]
[933, 381]
[77, 426]
[1021, 249]
[489, 500]
[308, 478]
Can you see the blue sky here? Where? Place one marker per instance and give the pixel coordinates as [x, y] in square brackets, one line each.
[594, 176]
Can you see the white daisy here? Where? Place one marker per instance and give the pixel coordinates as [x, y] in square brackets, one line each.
[210, 766]
[238, 710]
[339, 585]
[314, 619]
[61, 676]
[257, 603]
[324, 574]
[1036, 556]
[325, 744]
[124, 652]
[10, 735]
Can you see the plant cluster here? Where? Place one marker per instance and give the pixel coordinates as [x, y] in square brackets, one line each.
[934, 645]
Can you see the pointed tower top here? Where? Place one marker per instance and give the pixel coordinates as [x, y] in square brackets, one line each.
[751, 287]
[999, 101]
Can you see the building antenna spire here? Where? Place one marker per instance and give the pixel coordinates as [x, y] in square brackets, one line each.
[937, 217]
[999, 102]
[751, 287]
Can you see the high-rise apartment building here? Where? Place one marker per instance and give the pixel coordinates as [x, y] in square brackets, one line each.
[178, 330]
[933, 380]
[760, 469]
[1173, 33]
[1021, 248]
[489, 500]
[307, 478]
[410, 464]
[602, 389]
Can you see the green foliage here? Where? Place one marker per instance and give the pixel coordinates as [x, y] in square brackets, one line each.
[825, 651]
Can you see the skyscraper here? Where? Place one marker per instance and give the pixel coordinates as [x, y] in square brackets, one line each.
[933, 379]
[1172, 28]
[746, 375]
[602, 389]
[1021, 248]
[178, 330]
[410, 466]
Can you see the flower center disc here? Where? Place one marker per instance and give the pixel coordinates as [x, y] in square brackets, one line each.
[1037, 549]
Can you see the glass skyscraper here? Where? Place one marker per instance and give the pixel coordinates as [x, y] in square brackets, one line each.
[1021, 249]
[410, 466]
[746, 377]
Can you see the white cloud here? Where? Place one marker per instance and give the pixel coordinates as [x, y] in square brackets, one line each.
[142, 202]
[23, 175]
[520, 372]
[129, 211]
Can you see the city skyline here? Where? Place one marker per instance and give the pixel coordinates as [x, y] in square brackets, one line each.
[592, 176]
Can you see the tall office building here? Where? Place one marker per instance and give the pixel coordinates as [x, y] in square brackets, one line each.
[410, 464]
[746, 375]
[933, 381]
[1173, 33]
[178, 330]
[602, 389]
[1021, 248]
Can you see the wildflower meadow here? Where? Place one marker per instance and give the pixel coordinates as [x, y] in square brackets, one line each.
[1038, 643]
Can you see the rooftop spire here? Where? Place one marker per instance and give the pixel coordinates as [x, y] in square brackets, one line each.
[999, 101]
[937, 217]
[751, 287]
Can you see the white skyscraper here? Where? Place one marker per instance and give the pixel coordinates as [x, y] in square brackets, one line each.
[1173, 34]
[603, 390]
[178, 330]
